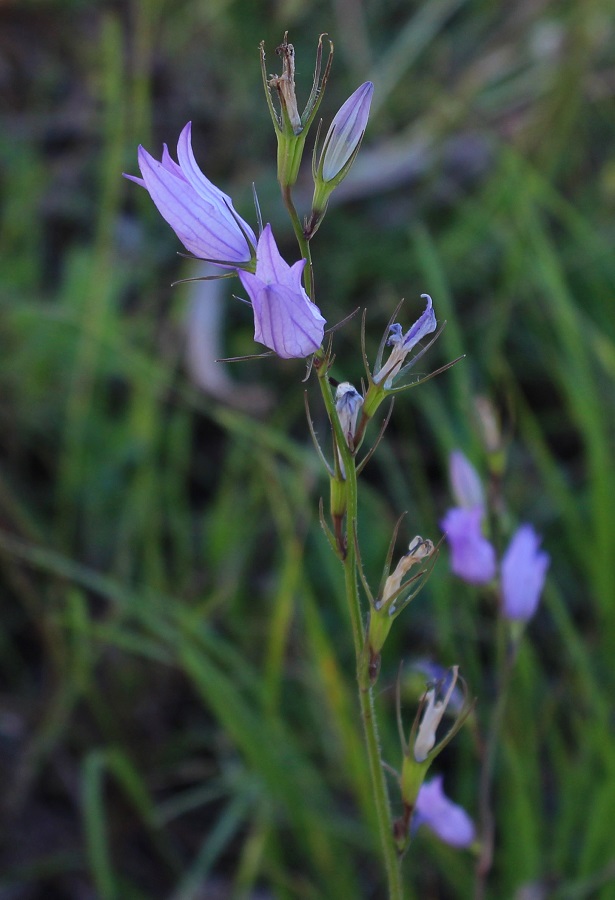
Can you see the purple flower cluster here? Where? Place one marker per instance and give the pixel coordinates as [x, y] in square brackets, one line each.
[523, 567]
[207, 224]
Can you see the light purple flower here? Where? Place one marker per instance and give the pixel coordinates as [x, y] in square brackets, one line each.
[472, 556]
[465, 481]
[285, 319]
[346, 132]
[200, 214]
[402, 344]
[524, 568]
[449, 821]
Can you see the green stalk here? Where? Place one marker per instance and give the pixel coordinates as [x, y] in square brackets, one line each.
[506, 661]
[304, 246]
[392, 860]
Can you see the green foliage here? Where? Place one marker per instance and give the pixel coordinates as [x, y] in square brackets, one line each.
[178, 708]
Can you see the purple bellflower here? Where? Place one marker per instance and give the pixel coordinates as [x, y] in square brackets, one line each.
[449, 821]
[200, 214]
[472, 556]
[524, 568]
[345, 133]
[285, 319]
[402, 344]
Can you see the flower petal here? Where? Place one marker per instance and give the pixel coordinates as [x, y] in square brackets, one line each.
[200, 214]
[284, 320]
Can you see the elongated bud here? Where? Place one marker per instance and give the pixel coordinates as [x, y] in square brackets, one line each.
[345, 135]
[339, 150]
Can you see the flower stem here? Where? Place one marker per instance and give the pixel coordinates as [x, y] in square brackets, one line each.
[304, 245]
[487, 821]
[391, 857]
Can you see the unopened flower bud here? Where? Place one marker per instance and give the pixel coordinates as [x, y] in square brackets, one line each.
[339, 150]
[348, 402]
[345, 135]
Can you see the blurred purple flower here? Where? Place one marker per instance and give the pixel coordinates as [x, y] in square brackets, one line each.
[524, 568]
[465, 481]
[446, 819]
[285, 319]
[346, 132]
[403, 343]
[200, 214]
[472, 556]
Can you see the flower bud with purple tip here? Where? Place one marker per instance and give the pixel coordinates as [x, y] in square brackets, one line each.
[340, 148]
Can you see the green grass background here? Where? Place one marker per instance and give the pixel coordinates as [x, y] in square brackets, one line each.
[177, 709]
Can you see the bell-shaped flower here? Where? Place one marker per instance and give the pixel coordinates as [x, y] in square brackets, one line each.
[200, 214]
[285, 319]
[472, 556]
[465, 481]
[523, 572]
[402, 344]
[449, 821]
